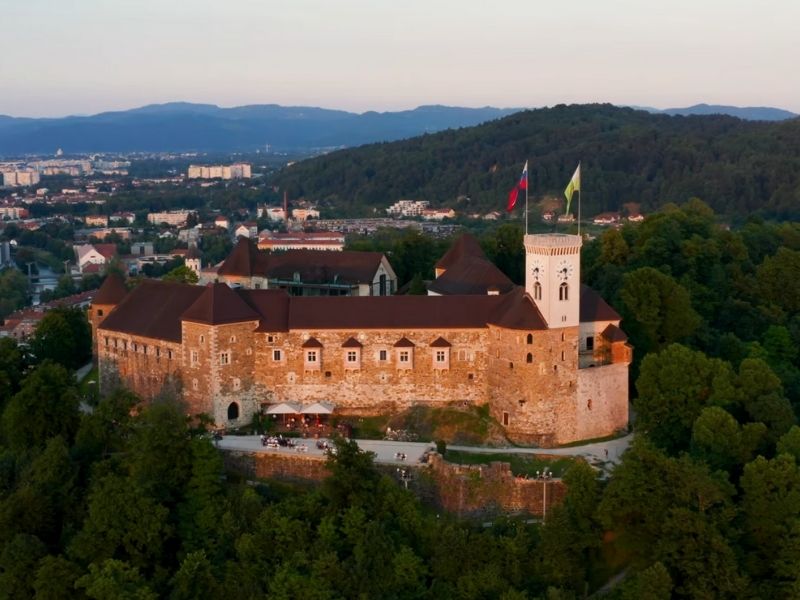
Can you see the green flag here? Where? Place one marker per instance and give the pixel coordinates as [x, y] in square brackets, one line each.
[573, 186]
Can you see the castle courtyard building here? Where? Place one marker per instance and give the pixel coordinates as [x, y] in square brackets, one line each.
[548, 359]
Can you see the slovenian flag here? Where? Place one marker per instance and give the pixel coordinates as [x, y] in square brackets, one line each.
[522, 185]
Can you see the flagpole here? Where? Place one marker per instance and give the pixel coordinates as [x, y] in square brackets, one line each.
[527, 185]
[579, 202]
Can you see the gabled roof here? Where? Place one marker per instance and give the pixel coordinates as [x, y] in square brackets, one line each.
[312, 342]
[404, 342]
[312, 266]
[517, 310]
[108, 251]
[471, 275]
[440, 342]
[322, 266]
[594, 308]
[112, 291]
[465, 246]
[153, 309]
[352, 342]
[614, 334]
[219, 304]
[245, 260]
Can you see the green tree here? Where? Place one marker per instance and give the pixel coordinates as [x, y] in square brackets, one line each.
[763, 399]
[771, 524]
[656, 309]
[14, 290]
[115, 580]
[790, 443]
[194, 579]
[18, 559]
[417, 286]
[63, 335]
[778, 281]
[653, 583]
[122, 523]
[46, 406]
[720, 441]
[182, 274]
[55, 579]
[12, 367]
[674, 386]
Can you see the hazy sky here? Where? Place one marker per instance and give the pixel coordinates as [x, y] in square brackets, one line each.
[62, 57]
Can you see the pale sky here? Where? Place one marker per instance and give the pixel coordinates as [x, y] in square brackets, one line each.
[61, 57]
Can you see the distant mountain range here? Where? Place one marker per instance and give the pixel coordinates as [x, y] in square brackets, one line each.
[184, 126]
[748, 113]
[739, 167]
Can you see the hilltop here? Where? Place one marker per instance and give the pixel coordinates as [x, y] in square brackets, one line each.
[628, 155]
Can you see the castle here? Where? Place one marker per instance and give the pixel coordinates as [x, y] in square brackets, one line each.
[549, 358]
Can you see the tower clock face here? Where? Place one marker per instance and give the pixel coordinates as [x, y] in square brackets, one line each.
[564, 270]
[537, 269]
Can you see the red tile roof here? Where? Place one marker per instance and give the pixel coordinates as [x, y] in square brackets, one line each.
[471, 275]
[594, 308]
[352, 342]
[614, 334]
[108, 251]
[440, 342]
[404, 342]
[312, 342]
[112, 291]
[465, 246]
[153, 309]
[219, 304]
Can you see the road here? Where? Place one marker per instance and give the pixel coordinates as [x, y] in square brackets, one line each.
[386, 452]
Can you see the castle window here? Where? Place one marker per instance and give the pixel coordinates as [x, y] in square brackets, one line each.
[589, 404]
[352, 356]
[562, 333]
[537, 291]
[202, 339]
[233, 339]
[225, 357]
[590, 343]
[144, 348]
[233, 411]
[404, 358]
[563, 291]
[169, 354]
[135, 347]
[99, 312]
[555, 368]
[158, 351]
[237, 383]
[327, 374]
[277, 355]
[270, 339]
[511, 365]
[115, 342]
[383, 355]
[506, 419]
[106, 338]
[441, 358]
[312, 359]
[471, 376]
[529, 358]
[195, 385]
[530, 338]
[562, 355]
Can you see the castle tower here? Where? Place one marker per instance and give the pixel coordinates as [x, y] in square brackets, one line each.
[193, 260]
[111, 293]
[553, 275]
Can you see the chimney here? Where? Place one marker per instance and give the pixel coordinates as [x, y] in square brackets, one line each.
[285, 205]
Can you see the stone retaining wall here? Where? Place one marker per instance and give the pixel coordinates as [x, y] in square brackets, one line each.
[465, 490]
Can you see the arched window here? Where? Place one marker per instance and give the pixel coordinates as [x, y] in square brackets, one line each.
[529, 358]
[563, 292]
[537, 291]
[233, 411]
[530, 338]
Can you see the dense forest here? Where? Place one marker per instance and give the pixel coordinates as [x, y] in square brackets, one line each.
[130, 501]
[738, 167]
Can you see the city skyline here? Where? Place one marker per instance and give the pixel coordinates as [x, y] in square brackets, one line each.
[87, 57]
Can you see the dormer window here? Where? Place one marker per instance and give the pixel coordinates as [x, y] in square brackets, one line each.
[441, 353]
[352, 353]
[404, 349]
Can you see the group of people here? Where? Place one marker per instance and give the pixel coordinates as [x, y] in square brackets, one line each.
[400, 456]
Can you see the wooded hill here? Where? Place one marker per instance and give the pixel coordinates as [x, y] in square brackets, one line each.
[738, 167]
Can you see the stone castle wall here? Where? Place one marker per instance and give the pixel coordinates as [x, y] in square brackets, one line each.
[602, 402]
[144, 364]
[373, 385]
[535, 401]
[469, 491]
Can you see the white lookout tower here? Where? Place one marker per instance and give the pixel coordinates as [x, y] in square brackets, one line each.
[553, 276]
